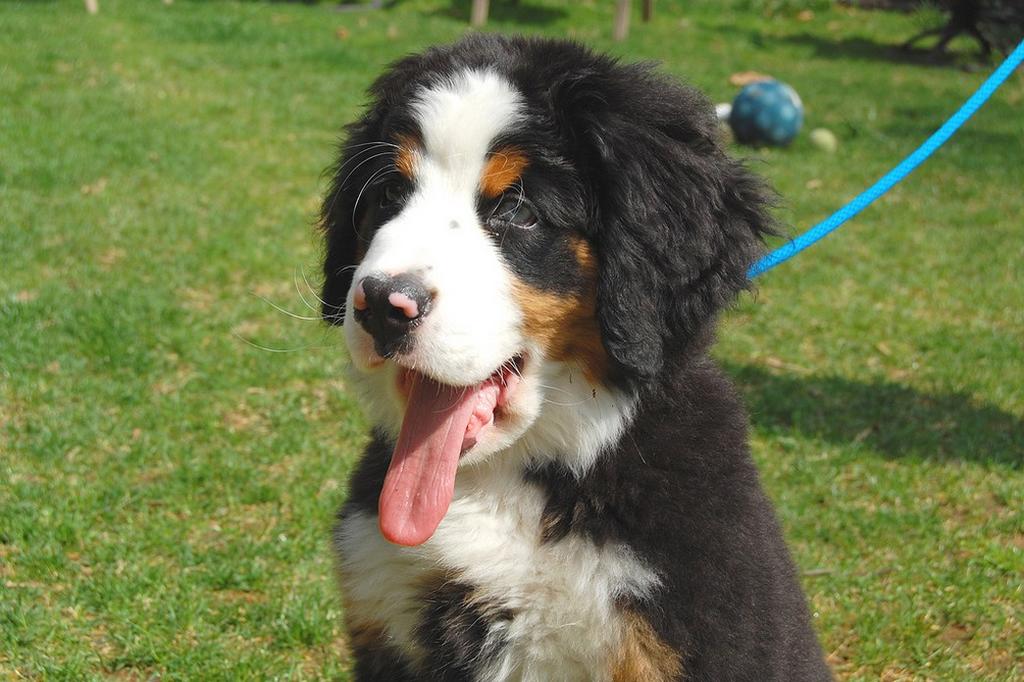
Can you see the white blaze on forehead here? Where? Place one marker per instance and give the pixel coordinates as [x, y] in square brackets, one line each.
[459, 118]
[473, 325]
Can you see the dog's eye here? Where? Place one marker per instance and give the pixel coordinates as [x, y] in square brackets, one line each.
[390, 194]
[515, 210]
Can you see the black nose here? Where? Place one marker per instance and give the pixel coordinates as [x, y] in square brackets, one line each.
[389, 308]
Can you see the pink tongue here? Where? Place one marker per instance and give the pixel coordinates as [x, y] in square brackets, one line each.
[440, 422]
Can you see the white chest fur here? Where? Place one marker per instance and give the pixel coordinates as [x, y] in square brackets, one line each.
[563, 594]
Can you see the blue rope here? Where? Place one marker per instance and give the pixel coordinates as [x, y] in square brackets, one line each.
[906, 167]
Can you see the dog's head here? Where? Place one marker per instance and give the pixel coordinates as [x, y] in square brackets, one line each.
[512, 218]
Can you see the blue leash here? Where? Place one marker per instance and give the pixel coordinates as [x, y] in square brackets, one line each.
[906, 167]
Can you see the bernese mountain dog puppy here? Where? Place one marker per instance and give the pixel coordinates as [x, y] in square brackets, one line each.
[527, 245]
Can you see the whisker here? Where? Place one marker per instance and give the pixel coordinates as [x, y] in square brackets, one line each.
[512, 212]
[309, 286]
[379, 174]
[343, 269]
[280, 309]
[549, 401]
[511, 366]
[555, 388]
[268, 349]
[371, 146]
[361, 163]
[295, 281]
[522, 192]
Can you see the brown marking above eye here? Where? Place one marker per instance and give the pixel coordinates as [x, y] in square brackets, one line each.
[503, 168]
[566, 325]
[405, 155]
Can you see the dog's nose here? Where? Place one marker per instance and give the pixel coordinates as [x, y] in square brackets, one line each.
[389, 307]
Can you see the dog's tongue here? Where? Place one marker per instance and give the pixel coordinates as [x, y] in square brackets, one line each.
[440, 422]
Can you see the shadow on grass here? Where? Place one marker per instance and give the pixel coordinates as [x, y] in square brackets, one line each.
[916, 123]
[869, 50]
[895, 420]
[511, 11]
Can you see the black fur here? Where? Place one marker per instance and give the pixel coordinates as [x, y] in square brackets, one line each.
[650, 153]
[631, 161]
[454, 629]
[681, 490]
[382, 662]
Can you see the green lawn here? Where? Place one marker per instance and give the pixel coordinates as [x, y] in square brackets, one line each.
[166, 489]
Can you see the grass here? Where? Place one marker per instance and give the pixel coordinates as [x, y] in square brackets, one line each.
[167, 489]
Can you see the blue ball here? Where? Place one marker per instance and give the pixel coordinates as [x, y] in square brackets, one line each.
[766, 113]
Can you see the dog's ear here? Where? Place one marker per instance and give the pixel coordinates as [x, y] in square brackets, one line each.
[676, 222]
[339, 219]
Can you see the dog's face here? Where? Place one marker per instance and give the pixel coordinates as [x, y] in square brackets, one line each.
[453, 230]
[514, 224]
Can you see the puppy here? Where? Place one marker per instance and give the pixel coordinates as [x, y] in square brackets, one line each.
[527, 246]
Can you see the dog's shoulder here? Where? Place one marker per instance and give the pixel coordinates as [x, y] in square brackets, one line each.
[680, 489]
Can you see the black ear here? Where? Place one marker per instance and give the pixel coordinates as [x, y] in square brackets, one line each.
[678, 222]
